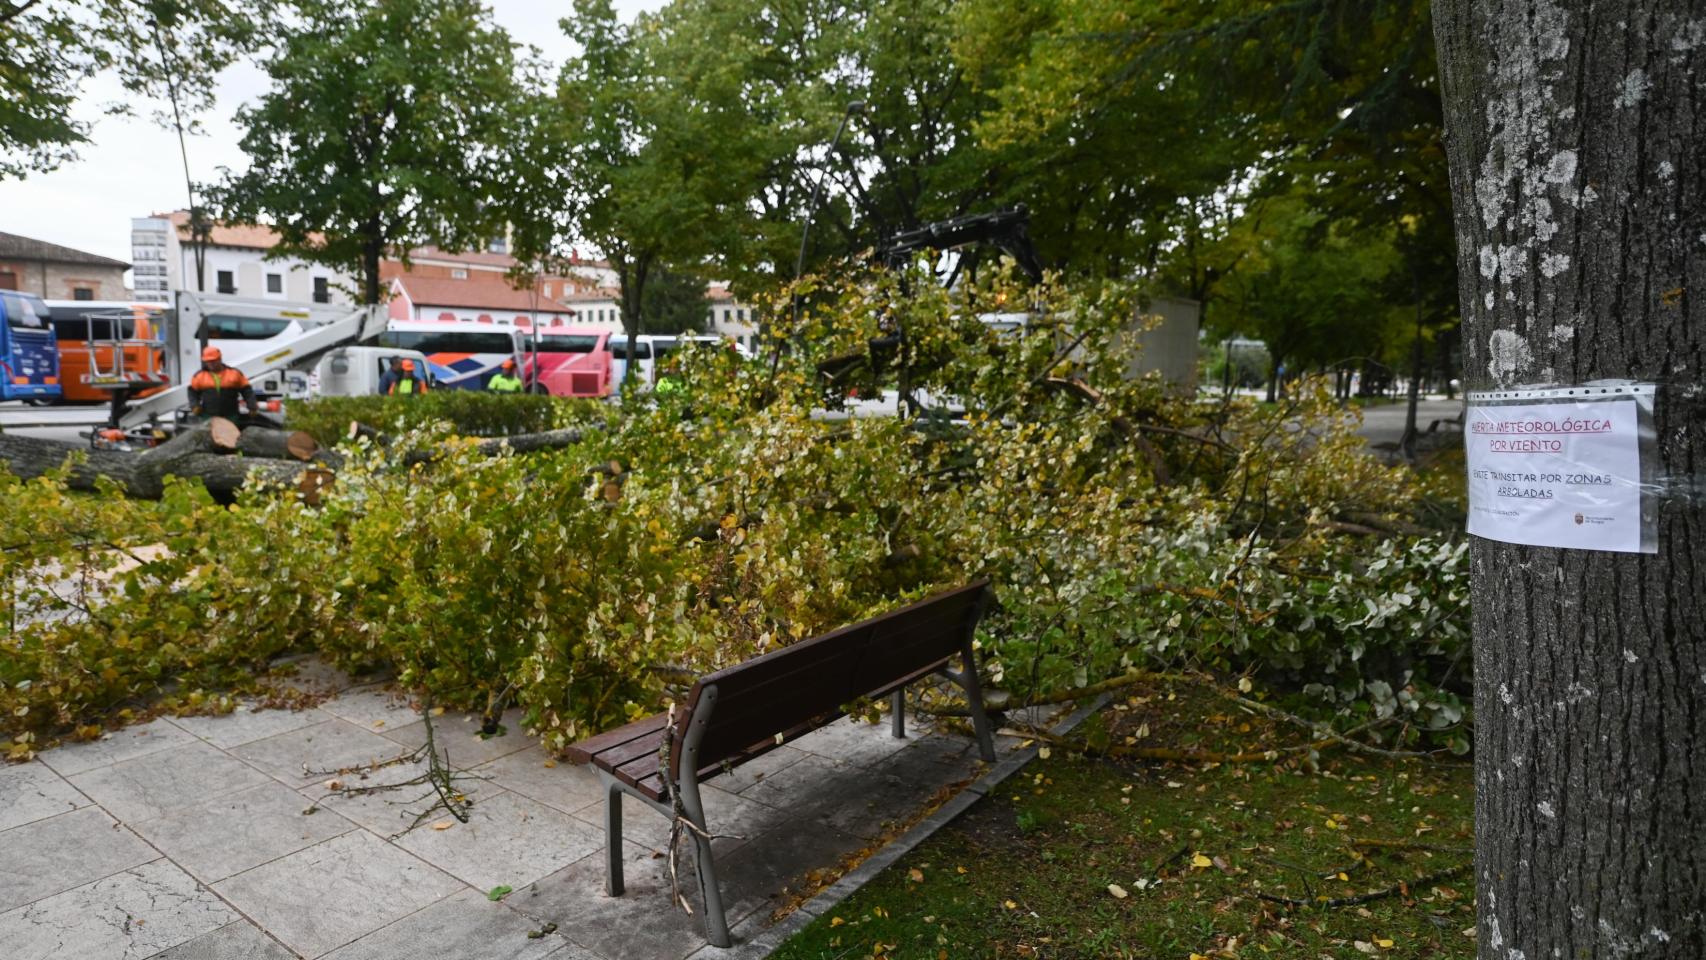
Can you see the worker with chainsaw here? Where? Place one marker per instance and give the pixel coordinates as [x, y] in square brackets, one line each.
[407, 383]
[505, 380]
[216, 388]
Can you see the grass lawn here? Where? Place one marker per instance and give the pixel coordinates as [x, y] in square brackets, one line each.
[1086, 857]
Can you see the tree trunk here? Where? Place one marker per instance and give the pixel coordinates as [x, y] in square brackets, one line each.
[278, 444]
[1580, 185]
[1273, 380]
[142, 475]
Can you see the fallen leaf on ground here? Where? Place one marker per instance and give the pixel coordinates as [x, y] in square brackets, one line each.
[1117, 890]
[499, 892]
[916, 874]
[441, 825]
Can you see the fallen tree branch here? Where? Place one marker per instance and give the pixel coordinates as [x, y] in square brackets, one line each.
[1320, 730]
[1370, 897]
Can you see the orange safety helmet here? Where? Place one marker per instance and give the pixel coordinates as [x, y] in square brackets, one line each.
[211, 354]
[508, 364]
[408, 366]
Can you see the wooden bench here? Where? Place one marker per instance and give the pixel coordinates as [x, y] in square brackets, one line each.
[749, 709]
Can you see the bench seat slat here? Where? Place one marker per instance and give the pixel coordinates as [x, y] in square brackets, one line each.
[586, 750]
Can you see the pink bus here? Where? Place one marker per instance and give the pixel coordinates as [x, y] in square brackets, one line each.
[573, 361]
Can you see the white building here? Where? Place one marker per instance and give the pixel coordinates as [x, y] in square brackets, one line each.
[163, 256]
[729, 317]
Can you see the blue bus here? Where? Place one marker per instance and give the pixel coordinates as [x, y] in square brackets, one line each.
[29, 355]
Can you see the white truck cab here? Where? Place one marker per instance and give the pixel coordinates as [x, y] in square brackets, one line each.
[358, 371]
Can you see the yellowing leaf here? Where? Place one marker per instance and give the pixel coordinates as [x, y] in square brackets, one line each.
[1201, 861]
[441, 825]
[1010, 905]
[836, 921]
[1244, 685]
[1383, 942]
[1043, 752]
[1117, 890]
[916, 874]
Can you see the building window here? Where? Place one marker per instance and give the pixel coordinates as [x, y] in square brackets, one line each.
[227, 282]
[547, 291]
[82, 293]
[457, 273]
[275, 283]
[322, 290]
[741, 314]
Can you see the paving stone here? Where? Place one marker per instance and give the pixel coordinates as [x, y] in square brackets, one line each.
[310, 673]
[131, 915]
[751, 772]
[771, 869]
[642, 924]
[458, 735]
[133, 741]
[563, 785]
[32, 791]
[234, 941]
[51, 856]
[853, 741]
[379, 707]
[390, 812]
[508, 839]
[330, 894]
[226, 835]
[886, 798]
[332, 745]
[734, 819]
[465, 926]
[805, 783]
[159, 783]
[247, 723]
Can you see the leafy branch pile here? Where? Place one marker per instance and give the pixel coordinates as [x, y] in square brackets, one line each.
[1123, 527]
[469, 412]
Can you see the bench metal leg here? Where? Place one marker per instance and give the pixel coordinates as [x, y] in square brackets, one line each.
[716, 924]
[974, 699]
[897, 713]
[612, 835]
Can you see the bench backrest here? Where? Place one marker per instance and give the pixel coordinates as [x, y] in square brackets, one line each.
[800, 683]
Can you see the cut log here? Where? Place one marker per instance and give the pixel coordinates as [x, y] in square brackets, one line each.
[278, 444]
[142, 475]
[223, 433]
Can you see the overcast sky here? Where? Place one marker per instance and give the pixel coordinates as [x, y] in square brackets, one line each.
[133, 167]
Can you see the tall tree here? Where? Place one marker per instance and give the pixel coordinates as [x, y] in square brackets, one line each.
[388, 126]
[48, 50]
[644, 188]
[1580, 191]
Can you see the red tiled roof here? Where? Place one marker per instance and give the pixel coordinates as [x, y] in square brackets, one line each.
[487, 259]
[246, 236]
[478, 294]
[719, 294]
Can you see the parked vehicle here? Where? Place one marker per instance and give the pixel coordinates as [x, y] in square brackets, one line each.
[105, 344]
[460, 355]
[571, 361]
[358, 371]
[29, 359]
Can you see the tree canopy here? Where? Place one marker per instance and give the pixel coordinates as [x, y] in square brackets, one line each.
[389, 125]
[48, 51]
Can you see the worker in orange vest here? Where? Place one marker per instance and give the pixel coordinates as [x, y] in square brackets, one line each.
[216, 388]
[407, 384]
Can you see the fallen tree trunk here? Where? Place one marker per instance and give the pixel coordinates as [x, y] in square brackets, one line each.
[143, 475]
[278, 444]
[195, 454]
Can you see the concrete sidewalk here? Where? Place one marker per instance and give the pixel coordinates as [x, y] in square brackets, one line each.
[205, 838]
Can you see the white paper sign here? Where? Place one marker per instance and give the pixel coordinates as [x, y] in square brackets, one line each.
[1562, 472]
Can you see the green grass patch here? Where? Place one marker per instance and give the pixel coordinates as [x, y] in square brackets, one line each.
[1038, 869]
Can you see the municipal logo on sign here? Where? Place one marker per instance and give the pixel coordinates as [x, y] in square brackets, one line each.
[1578, 519]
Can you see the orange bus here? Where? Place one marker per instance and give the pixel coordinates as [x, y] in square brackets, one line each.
[134, 329]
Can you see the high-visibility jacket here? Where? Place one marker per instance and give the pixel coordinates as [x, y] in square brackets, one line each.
[216, 395]
[504, 383]
[407, 385]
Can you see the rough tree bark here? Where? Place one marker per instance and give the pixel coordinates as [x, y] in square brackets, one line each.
[1577, 142]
